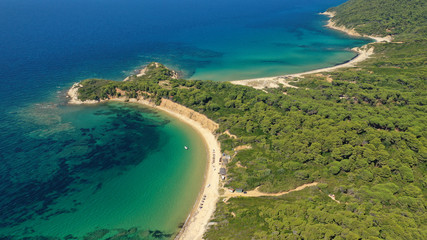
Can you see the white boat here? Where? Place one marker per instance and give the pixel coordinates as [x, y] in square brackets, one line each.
[185, 147]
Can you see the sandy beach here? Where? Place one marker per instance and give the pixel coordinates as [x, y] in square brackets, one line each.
[363, 52]
[204, 207]
[205, 204]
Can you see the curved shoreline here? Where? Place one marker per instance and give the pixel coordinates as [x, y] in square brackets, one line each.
[198, 218]
[364, 52]
[197, 221]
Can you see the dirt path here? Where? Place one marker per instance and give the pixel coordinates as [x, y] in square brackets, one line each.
[332, 196]
[257, 193]
[229, 134]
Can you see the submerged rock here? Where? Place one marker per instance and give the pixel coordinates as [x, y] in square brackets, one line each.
[95, 235]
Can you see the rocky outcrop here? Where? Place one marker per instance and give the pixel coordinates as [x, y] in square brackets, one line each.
[145, 70]
[191, 114]
[73, 94]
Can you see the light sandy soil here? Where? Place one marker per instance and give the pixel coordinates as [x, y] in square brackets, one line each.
[242, 147]
[227, 132]
[239, 165]
[332, 196]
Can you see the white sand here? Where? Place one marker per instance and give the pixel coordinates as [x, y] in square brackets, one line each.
[364, 53]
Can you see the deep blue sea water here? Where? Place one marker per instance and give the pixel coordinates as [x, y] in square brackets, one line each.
[60, 166]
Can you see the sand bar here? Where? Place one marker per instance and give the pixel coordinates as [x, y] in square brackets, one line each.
[363, 52]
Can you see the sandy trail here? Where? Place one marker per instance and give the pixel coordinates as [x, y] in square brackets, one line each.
[227, 132]
[257, 193]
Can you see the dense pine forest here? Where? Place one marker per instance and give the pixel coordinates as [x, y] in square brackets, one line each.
[359, 132]
[401, 18]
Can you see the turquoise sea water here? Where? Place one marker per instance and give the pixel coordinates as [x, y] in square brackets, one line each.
[110, 168]
[67, 171]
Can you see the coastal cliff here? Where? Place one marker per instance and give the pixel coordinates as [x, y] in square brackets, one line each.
[189, 113]
[166, 104]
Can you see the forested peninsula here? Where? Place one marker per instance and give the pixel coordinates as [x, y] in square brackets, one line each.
[360, 133]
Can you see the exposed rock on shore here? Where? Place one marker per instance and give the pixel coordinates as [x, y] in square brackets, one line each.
[142, 72]
[73, 94]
